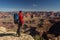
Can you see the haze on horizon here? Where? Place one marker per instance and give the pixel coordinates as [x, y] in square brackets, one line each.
[30, 5]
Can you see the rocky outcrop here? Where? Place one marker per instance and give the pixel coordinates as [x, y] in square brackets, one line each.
[23, 36]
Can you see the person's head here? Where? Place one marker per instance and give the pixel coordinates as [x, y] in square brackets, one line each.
[20, 11]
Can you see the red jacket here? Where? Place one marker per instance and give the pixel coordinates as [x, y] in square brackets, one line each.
[20, 17]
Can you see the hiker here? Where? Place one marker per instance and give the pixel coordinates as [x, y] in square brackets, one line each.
[20, 23]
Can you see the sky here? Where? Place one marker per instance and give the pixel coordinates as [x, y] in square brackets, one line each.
[30, 5]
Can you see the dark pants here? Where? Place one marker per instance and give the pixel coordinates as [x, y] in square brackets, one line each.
[18, 30]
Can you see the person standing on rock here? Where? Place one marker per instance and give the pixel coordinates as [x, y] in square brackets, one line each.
[20, 23]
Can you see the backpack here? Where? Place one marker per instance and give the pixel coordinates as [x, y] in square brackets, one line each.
[16, 18]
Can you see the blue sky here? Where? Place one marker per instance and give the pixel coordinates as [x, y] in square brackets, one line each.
[30, 5]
